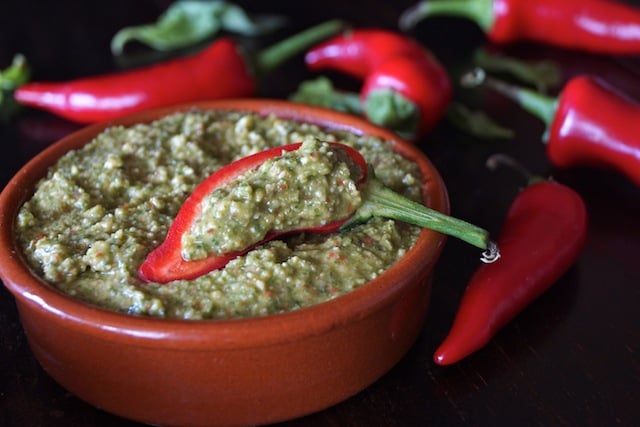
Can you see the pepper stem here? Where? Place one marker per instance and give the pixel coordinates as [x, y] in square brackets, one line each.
[479, 11]
[273, 56]
[541, 106]
[320, 91]
[501, 159]
[380, 201]
[15, 75]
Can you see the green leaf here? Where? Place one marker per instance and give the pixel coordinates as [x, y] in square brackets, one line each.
[236, 20]
[543, 75]
[187, 22]
[321, 92]
[477, 123]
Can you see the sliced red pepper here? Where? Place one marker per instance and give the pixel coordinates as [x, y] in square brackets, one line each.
[589, 124]
[405, 87]
[165, 263]
[219, 71]
[543, 234]
[602, 26]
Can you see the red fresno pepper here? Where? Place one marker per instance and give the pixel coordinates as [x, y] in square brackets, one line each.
[391, 65]
[165, 263]
[219, 71]
[543, 234]
[589, 124]
[600, 26]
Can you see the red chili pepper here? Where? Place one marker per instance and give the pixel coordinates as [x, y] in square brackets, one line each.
[165, 263]
[359, 52]
[543, 234]
[589, 124]
[219, 71]
[391, 65]
[602, 26]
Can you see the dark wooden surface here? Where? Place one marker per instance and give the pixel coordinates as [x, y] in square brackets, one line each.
[570, 359]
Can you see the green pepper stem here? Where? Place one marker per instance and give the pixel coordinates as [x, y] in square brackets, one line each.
[380, 201]
[501, 159]
[320, 91]
[387, 108]
[543, 74]
[479, 11]
[541, 106]
[273, 56]
[15, 75]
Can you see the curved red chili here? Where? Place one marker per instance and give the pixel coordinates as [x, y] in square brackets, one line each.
[543, 234]
[602, 26]
[165, 263]
[392, 63]
[219, 71]
[358, 52]
[589, 124]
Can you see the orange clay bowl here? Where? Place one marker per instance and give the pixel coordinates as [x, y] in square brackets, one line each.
[235, 372]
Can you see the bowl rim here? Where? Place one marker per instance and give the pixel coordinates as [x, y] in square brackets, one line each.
[223, 334]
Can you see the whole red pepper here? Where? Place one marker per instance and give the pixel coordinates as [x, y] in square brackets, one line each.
[165, 263]
[219, 71]
[544, 232]
[390, 64]
[599, 26]
[359, 52]
[589, 124]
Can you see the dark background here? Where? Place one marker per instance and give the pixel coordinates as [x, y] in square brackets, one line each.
[570, 359]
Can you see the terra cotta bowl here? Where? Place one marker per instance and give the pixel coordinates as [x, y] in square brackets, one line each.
[236, 372]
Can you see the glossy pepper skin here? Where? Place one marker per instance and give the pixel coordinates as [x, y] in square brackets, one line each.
[165, 263]
[359, 52]
[219, 71]
[543, 234]
[595, 125]
[599, 26]
[388, 61]
[590, 123]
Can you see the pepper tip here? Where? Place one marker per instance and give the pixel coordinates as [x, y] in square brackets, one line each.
[442, 357]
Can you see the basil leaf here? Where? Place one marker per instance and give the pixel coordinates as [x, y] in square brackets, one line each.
[187, 22]
[234, 19]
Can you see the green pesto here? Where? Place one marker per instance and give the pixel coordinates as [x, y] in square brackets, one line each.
[308, 187]
[102, 208]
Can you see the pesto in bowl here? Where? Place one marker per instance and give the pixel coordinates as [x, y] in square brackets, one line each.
[103, 207]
